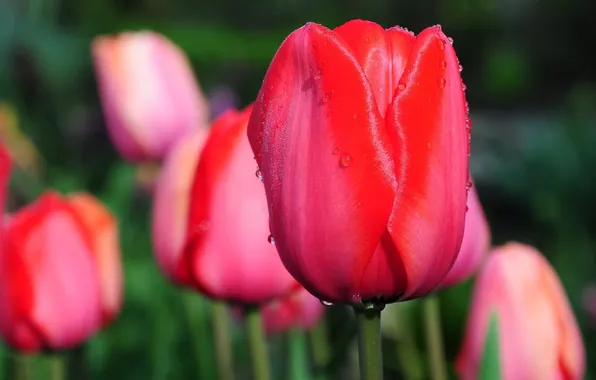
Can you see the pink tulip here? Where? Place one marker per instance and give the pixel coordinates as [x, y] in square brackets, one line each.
[538, 334]
[149, 94]
[60, 274]
[227, 249]
[298, 309]
[475, 244]
[170, 205]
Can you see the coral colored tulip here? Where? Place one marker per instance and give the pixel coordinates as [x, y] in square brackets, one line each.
[149, 94]
[298, 309]
[475, 244]
[361, 136]
[60, 274]
[228, 252]
[170, 206]
[538, 334]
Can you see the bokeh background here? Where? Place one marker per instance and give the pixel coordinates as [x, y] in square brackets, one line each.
[530, 70]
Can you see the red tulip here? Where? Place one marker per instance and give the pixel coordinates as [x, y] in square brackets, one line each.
[475, 244]
[170, 206]
[538, 334]
[298, 309]
[361, 137]
[227, 249]
[149, 94]
[5, 165]
[60, 274]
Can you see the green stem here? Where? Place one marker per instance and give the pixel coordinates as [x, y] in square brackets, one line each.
[22, 367]
[298, 359]
[79, 363]
[319, 347]
[434, 337]
[408, 354]
[197, 312]
[221, 340]
[57, 367]
[369, 343]
[257, 344]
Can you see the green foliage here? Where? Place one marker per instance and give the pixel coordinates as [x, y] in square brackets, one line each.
[490, 366]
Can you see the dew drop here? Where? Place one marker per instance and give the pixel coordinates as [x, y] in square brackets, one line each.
[326, 98]
[441, 44]
[450, 40]
[336, 151]
[346, 160]
[326, 303]
[461, 68]
[469, 185]
[356, 298]
[259, 174]
[271, 240]
[318, 73]
[442, 82]
[401, 86]
[464, 87]
[444, 64]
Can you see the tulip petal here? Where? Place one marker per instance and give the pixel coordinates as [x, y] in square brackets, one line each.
[430, 137]
[327, 169]
[229, 255]
[381, 53]
[100, 226]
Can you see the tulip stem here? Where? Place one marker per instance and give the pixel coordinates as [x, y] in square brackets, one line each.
[81, 367]
[221, 337]
[57, 367]
[369, 343]
[319, 347]
[434, 337]
[298, 358]
[22, 367]
[256, 342]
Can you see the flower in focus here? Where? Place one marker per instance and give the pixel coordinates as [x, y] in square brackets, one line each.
[297, 309]
[60, 272]
[228, 253]
[149, 94]
[170, 206]
[475, 244]
[538, 335]
[361, 136]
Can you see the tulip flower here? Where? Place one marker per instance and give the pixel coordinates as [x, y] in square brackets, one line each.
[475, 244]
[228, 252]
[60, 273]
[361, 136]
[149, 94]
[170, 206]
[298, 309]
[538, 334]
[5, 166]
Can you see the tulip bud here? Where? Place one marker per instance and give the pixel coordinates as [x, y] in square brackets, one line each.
[227, 250]
[298, 309]
[60, 275]
[538, 334]
[170, 206]
[361, 136]
[475, 244]
[149, 94]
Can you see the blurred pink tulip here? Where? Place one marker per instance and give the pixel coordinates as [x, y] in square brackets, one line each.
[170, 205]
[475, 244]
[538, 334]
[149, 94]
[228, 254]
[60, 273]
[298, 309]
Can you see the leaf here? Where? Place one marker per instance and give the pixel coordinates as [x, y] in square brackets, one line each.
[490, 366]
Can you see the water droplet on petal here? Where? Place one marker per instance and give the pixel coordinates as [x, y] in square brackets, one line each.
[346, 160]
[336, 151]
[461, 68]
[450, 40]
[259, 174]
[326, 303]
[401, 86]
[326, 98]
[441, 44]
[356, 298]
[271, 240]
[464, 87]
[469, 185]
[442, 82]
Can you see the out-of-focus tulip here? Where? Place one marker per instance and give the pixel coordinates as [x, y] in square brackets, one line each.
[298, 309]
[5, 166]
[149, 94]
[538, 334]
[170, 206]
[60, 273]
[361, 136]
[475, 244]
[227, 249]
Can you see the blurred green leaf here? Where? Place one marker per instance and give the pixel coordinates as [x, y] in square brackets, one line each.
[490, 366]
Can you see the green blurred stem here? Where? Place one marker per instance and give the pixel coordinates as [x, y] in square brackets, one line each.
[57, 367]
[408, 354]
[196, 309]
[369, 343]
[221, 340]
[298, 359]
[79, 363]
[319, 347]
[257, 343]
[434, 337]
[22, 367]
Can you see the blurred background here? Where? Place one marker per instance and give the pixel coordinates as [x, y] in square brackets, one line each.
[530, 70]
